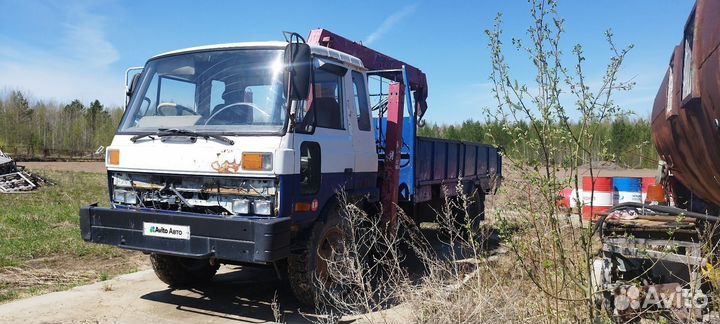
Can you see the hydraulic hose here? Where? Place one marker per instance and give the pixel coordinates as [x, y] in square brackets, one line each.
[668, 209]
[657, 208]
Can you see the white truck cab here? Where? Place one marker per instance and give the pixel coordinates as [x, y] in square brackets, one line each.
[234, 153]
[221, 113]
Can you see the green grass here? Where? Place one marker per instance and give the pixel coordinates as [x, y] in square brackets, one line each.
[40, 237]
[46, 222]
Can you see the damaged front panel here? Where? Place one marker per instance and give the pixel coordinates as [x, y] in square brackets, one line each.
[196, 194]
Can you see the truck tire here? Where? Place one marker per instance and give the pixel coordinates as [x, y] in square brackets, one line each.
[308, 267]
[476, 211]
[178, 271]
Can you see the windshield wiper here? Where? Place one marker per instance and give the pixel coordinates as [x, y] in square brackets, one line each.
[163, 132]
[137, 137]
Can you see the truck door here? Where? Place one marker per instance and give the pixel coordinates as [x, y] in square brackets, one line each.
[323, 133]
[362, 133]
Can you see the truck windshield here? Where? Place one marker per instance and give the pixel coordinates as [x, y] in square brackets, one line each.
[229, 92]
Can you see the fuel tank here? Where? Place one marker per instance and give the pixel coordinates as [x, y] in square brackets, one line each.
[686, 111]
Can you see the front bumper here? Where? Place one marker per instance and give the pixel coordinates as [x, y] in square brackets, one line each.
[242, 239]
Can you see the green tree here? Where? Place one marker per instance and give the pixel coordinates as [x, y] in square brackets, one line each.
[45, 128]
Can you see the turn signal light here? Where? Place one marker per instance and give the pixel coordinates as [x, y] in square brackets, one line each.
[257, 161]
[302, 207]
[113, 157]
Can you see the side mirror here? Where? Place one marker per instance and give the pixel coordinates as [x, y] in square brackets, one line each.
[131, 84]
[131, 88]
[299, 67]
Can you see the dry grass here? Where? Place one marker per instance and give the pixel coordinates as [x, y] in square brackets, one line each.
[536, 274]
[40, 247]
[501, 285]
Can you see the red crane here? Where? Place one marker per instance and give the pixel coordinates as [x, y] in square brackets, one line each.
[392, 69]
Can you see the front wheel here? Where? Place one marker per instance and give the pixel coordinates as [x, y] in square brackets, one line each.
[178, 271]
[308, 271]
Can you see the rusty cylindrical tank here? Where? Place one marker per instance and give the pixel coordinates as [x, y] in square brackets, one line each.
[686, 112]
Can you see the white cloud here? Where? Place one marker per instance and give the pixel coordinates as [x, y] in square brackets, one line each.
[85, 38]
[389, 22]
[77, 67]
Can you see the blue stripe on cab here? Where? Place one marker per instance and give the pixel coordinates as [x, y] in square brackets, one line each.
[361, 182]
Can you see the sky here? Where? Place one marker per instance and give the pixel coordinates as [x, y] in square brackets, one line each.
[63, 50]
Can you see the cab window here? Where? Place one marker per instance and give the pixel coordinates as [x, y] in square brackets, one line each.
[325, 102]
[361, 101]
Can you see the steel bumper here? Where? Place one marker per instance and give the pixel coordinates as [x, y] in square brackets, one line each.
[243, 239]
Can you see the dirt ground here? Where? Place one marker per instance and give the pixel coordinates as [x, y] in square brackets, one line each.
[236, 294]
[239, 294]
[58, 272]
[94, 167]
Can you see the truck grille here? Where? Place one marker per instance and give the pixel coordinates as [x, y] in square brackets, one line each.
[197, 194]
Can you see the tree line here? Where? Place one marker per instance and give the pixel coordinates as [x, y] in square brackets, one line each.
[49, 130]
[625, 141]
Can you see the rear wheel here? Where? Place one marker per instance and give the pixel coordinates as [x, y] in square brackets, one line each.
[178, 271]
[308, 271]
[469, 221]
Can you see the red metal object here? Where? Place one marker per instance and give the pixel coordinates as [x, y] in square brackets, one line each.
[594, 212]
[687, 130]
[597, 196]
[655, 193]
[375, 60]
[393, 145]
[646, 182]
[602, 184]
[563, 199]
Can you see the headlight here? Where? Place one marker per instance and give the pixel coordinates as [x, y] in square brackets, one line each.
[125, 197]
[241, 206]
[262, 207]
[119, 196]
[131, 198]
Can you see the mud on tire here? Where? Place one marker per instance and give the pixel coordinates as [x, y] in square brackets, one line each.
[178, 271]
[306, 268]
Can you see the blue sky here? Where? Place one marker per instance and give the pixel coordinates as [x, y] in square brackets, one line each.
[61, 50]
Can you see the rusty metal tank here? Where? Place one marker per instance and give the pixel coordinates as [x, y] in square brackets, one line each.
[686, 112]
